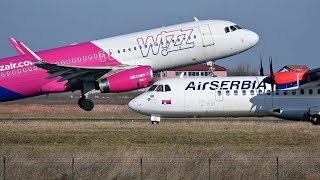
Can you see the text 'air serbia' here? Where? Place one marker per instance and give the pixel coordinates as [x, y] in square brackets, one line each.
[119, 64]
[233, 97]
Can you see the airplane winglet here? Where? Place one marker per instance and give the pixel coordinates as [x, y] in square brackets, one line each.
[27, 51]
[195, 19]
[15, 45]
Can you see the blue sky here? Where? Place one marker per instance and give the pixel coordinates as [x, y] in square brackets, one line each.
[288, 29]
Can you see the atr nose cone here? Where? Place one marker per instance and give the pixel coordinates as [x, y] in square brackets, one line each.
[134, 104]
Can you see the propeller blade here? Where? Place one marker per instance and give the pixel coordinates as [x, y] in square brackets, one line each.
[261, 67]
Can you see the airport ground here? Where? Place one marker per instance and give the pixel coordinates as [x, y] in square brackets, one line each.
[40, 136]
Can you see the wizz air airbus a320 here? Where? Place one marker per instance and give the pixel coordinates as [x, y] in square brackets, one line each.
[293, 95]
[119, 64]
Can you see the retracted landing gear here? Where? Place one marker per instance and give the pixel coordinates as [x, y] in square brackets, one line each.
[85, 104]
[155, 119]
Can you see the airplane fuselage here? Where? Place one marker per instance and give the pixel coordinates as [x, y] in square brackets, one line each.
[162, 48]
[226, 97]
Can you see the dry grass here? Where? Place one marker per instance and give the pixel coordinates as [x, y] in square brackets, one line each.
[171, 150]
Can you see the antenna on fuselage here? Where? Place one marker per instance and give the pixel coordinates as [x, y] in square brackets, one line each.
[195, 19]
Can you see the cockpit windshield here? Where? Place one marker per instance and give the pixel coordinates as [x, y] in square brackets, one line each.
[152, 88]
[232, 28]
[160, 88]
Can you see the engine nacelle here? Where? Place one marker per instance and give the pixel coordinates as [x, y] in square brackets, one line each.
[127, 80]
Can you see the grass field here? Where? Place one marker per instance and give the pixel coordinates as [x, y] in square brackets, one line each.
[172, 150]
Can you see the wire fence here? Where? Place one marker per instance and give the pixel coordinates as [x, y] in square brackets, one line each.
[161, 168]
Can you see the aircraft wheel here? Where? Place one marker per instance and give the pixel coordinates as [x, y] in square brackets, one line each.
[80, 101]
[86, 104]
[315, 121]
[154, 122]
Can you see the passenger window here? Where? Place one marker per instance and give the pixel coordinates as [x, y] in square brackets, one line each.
[2, 74]
[118, 51]
[35, 68]
[123, 50]
[244, 92]
[24, 70]
[68, 61]
[159, 88]
[167, 88]
[277, 93]
[152, 88]
[96, 56]
[260, 92]
[227, 92]
[62, 62]
[134, 48]
[293, 92]
[84, 58]
[252, 92]
[219, 93]
[129, 49]
[79, 59]
[310, 91]
[13, 72]
[302, 91]
[195, 36]
[30, 68]
[268, 92]
[90, 57]
[236, 92]
[19, 71]
[226, 29]
[285, 92]
[73, 60]
[8, 73]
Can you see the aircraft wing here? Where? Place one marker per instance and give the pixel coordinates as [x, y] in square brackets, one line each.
[76, 74]
[73, 74]
[311, 78]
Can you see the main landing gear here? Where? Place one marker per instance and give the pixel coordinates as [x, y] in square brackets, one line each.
[85, 104]
[315, 120]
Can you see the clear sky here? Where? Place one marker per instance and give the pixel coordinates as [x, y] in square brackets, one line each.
[289, 30]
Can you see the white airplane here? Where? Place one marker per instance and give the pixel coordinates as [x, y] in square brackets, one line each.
[119, 64]
[233, 97]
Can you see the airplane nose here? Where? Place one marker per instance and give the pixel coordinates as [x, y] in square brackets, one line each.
[252, 38]
[135, 104]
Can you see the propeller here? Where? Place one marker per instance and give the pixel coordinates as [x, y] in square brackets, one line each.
[261, 67]
[270, 79]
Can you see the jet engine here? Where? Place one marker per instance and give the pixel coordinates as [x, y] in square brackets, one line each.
[126, 80]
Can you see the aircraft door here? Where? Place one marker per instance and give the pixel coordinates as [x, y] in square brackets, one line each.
[206, 35]
[102, 56]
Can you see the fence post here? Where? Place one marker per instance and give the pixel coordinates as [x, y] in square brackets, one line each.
[4, 168]
[278, 169]
[141, 169]
[210, 168]
[73, 170]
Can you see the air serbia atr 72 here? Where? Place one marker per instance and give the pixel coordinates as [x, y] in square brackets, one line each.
[121, 63]
[295, 95]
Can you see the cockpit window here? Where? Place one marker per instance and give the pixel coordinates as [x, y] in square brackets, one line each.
[233, 28]
[237, 26]
[159, 88]
[152, 88]
[167, 88]
[226, 29]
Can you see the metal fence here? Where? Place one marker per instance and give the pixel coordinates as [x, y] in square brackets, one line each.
[161, 168]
